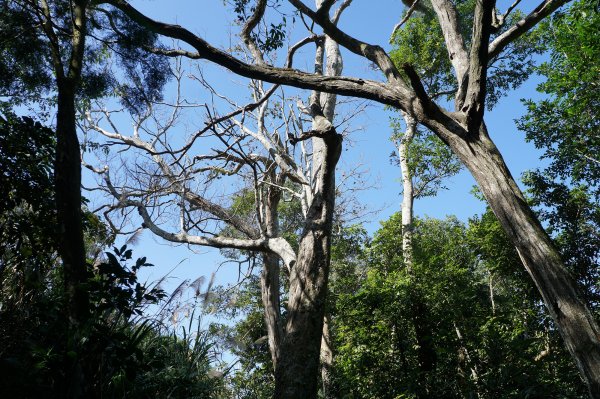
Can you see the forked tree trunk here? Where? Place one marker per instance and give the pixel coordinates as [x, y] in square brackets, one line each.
[296, 375]
[537, 252]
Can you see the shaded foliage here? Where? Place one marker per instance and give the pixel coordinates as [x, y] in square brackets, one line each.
[481, 349]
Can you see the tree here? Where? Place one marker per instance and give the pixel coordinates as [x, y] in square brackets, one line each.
[274, 162]
[54, 71]
[463, 130]
[121, 352]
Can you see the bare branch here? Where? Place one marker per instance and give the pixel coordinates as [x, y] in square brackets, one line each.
[342, 85]
[498, 20]
[278, 246]
[544, 9]
[250, 24]
[410, 11]
[373, 53]
[455, 43]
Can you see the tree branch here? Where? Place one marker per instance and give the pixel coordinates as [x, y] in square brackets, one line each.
[356, 87]
[478, 61]
[373, 53]
[410, 11]
[455, 43]
[544, 9]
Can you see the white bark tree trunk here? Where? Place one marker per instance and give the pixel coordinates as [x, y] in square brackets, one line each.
[407, 190]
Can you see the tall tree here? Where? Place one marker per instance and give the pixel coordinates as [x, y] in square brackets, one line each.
[462, 129]
[44, 40]
[274, 162]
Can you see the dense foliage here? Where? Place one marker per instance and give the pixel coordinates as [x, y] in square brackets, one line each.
[127, 355]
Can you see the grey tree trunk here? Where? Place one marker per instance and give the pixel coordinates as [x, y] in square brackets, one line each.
[326, 360]
[296, 375]
[537, 252]
[269, 279]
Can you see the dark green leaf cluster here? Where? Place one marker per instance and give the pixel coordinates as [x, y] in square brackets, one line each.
[123, 355]
[26, 193]
[23, 68]
[27, 64]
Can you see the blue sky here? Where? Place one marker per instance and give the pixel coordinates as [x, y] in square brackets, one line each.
[371, 146]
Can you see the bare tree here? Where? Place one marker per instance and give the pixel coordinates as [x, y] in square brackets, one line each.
[462, 128]
[270, 164]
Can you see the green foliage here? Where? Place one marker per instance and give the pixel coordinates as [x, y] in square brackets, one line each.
[421, 44]
[27, 65]
[125, 355]
[177, 366]
[245, 337]
[23, 71]
[566, 125]
[26, 196]
[445, 302]
[572, 216]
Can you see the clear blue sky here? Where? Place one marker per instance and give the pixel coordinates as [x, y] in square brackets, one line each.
[209, 19]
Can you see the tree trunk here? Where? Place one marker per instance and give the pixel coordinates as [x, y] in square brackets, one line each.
[269, 278]
[296, 375]
[418, 310]
[407, 191]
[537, 252]
[67, 172]
[326, 360]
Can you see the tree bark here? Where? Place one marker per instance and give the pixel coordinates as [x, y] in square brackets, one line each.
[67, 173]
[326, 360]
[68, 202]
[575, 323]
[269, 278]
[407, 191]
[296, 377]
